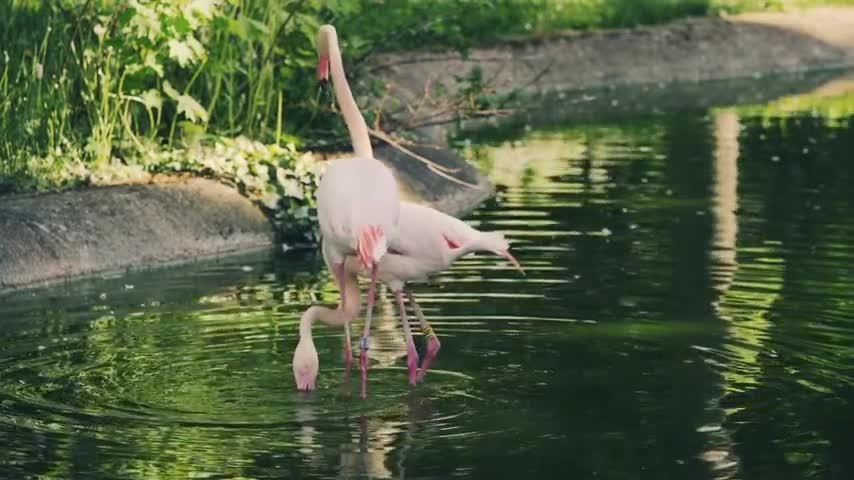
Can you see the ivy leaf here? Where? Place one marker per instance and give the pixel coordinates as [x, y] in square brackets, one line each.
[181, 52]
[186, 104]
[192, 133]
[238, 28]
[204, 9]
[152, 63]
[183, 25]
[196, 47]
[145, 20]
[258, 29]
[152, 99]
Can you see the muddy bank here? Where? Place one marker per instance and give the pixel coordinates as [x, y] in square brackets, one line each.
[73, 233]
[688, 50]
[629, 101]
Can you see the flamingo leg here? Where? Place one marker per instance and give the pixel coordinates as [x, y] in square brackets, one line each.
[411, 352]
[338, 270]
[433, 344]
[363, 354]
[348, 349]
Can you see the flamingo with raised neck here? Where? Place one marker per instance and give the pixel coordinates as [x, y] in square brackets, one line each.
[358, 204]
[428, 242]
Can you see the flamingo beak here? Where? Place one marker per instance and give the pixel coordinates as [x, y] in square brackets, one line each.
[510, 258]
[323, 69]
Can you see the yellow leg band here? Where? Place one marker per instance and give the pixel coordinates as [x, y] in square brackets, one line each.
[428, 332]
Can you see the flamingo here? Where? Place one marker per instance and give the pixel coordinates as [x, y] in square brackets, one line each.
[306, 363]
[428, 242]
[358, 204]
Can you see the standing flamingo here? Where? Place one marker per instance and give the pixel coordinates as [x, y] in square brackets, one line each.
[357, 200]
[428, 242]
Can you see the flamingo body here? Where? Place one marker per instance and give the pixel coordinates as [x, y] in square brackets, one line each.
[429, 241]
[356, 195]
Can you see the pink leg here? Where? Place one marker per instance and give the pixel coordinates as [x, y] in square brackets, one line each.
[411, 352]
[348, 349]
[363, 354]
[338, 269]
[433, 344]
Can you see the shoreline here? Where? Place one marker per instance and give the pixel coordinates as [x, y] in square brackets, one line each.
[56, 236]
[740, 46]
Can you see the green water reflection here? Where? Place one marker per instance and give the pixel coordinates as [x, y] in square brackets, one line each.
[688, 313]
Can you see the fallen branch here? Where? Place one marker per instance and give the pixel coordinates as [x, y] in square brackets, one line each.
[440, 170]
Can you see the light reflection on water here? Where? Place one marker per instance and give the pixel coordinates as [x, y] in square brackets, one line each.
[687, 313]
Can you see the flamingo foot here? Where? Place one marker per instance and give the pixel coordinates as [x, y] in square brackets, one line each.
[412, 363]
[433, 346]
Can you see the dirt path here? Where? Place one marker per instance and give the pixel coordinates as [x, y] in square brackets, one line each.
[832, 25]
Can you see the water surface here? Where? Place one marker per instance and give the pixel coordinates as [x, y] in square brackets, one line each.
[688, 312]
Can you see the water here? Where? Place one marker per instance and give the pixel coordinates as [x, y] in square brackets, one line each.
[688, 312]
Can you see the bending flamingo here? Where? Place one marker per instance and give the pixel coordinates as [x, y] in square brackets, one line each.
[428, 242]
[357, 199]
[306, 363]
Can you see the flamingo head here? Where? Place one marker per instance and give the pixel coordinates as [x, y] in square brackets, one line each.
[496, 243]
[324, 35]
[306, 365]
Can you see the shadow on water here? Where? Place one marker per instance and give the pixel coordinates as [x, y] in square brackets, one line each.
[687, 313]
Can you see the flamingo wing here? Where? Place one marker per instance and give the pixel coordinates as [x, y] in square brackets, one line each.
[353, 194]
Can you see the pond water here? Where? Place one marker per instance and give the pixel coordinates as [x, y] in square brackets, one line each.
[688, 312]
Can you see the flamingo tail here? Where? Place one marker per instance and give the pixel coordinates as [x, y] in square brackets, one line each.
[372, 245]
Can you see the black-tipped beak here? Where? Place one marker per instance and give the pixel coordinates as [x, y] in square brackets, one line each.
[510, 258]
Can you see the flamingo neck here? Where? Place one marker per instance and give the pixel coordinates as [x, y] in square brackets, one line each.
[333, 317]
[356, 125]
[305, 322]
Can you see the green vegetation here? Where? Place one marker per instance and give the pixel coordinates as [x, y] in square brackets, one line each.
[834, 110]
[96, 91]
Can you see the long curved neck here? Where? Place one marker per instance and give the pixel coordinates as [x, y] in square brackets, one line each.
[334, 317]
[349, 110]
[477, 242]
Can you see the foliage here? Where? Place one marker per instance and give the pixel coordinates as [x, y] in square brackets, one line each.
[276, 177]
[834, 108]
[132, 88]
